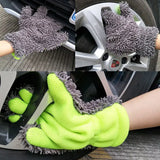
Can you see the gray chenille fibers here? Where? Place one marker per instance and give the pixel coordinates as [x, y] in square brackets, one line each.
[124, 36]
[37, 33]
[84, 108]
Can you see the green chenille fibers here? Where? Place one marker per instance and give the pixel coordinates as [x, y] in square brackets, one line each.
[118, 11]
[19, 105]
[15, 57]
[63, 127]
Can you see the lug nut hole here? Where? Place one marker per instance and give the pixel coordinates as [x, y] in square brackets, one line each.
[124, 60]
[105, 57]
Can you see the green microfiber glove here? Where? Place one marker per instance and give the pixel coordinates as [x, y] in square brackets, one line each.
[63, 127]
[19, 105]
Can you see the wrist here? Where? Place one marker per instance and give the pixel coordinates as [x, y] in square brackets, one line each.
[18, 40]
[157, 45]
[6, 48]
[113, 126]
[146, 45]
[123, 123]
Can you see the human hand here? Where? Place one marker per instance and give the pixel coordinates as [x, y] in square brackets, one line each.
[37, 33]
[61, 126]
[124, 36]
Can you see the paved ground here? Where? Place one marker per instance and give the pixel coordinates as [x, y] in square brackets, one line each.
[140, 145]
[56, 60]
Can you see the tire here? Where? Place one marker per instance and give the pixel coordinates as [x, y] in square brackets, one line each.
[138, 86]
[139, 6]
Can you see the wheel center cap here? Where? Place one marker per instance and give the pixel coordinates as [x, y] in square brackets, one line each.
[114, 65]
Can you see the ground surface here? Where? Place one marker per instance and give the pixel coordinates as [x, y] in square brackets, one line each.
[140, 145]
[56, 60]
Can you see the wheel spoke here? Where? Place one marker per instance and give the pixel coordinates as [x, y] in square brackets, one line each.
[135, 67]
[93, 22]
[97, 67]
[105, 83]
[83, 60]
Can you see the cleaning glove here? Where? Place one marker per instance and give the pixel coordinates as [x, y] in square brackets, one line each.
[69, 123]
[124, 36]
[19, 105]
[37, 33]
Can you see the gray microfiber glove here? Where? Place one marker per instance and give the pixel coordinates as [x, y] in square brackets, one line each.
[124, 36]
[37, 33]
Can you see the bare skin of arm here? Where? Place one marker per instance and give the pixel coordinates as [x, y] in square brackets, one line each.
[144, 111]
[158, 42]
[5, 48]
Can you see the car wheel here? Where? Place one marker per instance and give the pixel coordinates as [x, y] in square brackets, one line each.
[90, 37]
[124, 85]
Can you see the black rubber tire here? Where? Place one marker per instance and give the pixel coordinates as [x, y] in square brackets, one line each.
[139, 6]
[138, 86]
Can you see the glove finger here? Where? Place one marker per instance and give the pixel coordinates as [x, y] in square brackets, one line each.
[77, 125]
[55, 24]
[66, 114]
[25, 95]
[37, 137]
[14, 118]
[26, 12]
[41, 12]
[109, 17]
[57, 40]
[67, 140]
[57, 90]
[50, 120]
[125, 10]
[16, 105]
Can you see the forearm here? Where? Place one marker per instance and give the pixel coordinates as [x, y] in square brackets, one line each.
[144, 111]
[5, 48]
[158, 42]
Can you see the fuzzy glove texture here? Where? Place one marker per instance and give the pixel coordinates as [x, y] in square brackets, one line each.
[124, 36]
[37, 33]
[62, 126]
